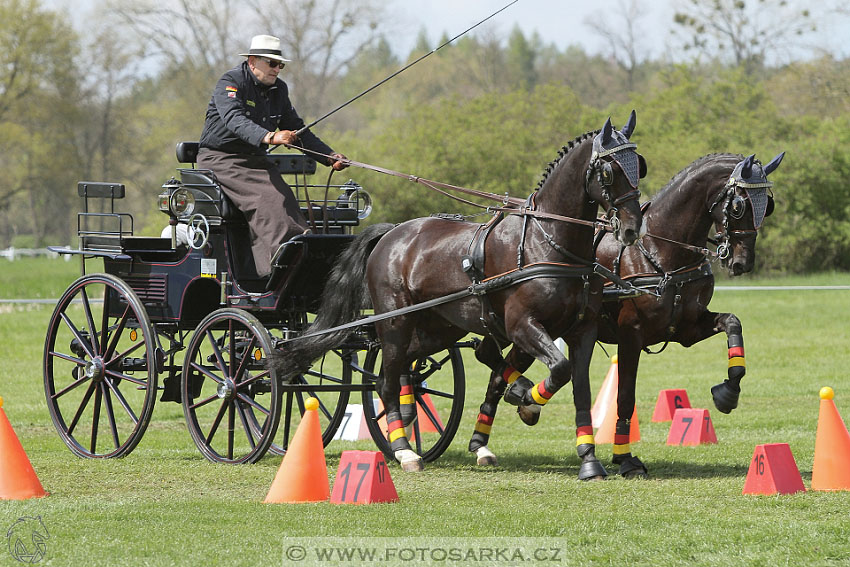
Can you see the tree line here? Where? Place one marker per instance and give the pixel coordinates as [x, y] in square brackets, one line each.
[485, 112]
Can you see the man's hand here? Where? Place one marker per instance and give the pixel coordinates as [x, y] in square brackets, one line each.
[340, 163]
[284, 137]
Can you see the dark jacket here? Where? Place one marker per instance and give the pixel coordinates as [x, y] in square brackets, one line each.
[242, 111]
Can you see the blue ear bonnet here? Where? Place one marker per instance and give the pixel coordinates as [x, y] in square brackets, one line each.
[622, 151]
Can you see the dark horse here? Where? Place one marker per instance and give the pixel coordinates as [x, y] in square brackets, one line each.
[533, 272]
[724, 190]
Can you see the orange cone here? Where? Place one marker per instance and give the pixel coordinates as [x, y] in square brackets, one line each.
[303, 473]
[606, 431]
[607, 395]
[831, 469]
[18, 480]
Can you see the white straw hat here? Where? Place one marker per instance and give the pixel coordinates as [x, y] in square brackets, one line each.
[265, 46]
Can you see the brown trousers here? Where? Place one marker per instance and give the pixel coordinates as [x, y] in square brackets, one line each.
[255, 186]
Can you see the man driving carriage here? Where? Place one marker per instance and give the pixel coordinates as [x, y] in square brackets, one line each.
[248, 111]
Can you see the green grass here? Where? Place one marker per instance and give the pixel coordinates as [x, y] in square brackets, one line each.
[165, 505]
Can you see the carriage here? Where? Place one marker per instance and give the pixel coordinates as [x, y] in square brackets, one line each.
[184, 317]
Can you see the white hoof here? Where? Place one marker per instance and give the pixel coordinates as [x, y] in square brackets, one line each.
[486, 457]
[409, 460]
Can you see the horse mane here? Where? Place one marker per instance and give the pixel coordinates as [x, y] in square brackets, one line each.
[562, 153]
[693, 166]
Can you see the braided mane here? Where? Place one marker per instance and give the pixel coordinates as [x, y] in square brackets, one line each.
[562, 153]
[696, 164]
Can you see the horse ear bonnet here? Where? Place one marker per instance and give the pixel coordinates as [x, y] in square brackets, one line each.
[752, 177]
[616, 144]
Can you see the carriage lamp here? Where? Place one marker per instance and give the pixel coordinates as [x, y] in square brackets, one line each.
[168, 188]
[355, 197]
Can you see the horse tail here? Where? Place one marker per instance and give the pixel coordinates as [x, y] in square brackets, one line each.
[345, 295]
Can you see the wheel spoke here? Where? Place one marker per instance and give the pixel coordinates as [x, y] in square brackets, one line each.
[246, 356]
[203, 370]
[83, 343]
[122, 401]
[104, 321]
[123, 376]
[231, 418]
[204, 402]
[420, 402]
[107, 399]
[70, 387]
[216, 422]
[243, 418]
[253, 379]
[116, 334]
[252, 403]
[95, 421]
[217, 351]
[124, 354]
[83, 403]
[90, 319]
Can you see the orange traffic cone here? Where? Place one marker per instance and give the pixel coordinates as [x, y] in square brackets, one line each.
[18, 480]
[303, 473]
[607, 395]
[831, 469]
[604, 412]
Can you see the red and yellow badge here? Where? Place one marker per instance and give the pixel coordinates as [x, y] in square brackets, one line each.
[229, 88]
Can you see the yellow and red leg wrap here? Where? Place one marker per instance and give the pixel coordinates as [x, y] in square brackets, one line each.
[510, 374]
[540, 394]
[484, 423]
[406, 395]
[736, 356]
[584, 435]
[395, 430]
[621, 445]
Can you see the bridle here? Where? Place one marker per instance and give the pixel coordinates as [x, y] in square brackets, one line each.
[603, 169]
[734, 206]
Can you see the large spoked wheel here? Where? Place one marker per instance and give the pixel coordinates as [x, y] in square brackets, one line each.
[231, 400]
[327, 381]
[100, 367]
[439, 389]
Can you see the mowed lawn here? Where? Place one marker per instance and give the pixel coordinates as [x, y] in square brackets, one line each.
[165, 504]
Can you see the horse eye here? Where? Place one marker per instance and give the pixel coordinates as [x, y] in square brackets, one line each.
[607, 174]
[737, 207]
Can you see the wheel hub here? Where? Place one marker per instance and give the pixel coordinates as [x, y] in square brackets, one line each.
[94, 369]
[226, 389]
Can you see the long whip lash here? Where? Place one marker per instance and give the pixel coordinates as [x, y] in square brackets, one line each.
[408, 66]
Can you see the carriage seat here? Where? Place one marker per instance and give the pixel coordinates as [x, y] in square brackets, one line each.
[287, 164]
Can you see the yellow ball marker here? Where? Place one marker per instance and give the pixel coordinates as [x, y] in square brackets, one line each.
[826, 393]
[311, 404]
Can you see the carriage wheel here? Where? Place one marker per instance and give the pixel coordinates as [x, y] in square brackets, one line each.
[330, 371]
[100, 367]
[439, 388]
[231, 400]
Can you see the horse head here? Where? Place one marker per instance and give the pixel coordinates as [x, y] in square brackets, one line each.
[613, 173]
[745, 202]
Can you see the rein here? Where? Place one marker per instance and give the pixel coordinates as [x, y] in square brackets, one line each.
[510, 205]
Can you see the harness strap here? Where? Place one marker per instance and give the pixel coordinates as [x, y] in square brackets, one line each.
[495, 283]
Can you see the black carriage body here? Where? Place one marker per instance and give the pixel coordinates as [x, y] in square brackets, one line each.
[181, 285]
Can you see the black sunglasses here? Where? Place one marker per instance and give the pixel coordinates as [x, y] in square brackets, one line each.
[274, 63]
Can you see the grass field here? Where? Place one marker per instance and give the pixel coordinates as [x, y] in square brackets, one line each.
[165, 505]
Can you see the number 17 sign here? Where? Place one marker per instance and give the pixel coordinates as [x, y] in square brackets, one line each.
[363, 478]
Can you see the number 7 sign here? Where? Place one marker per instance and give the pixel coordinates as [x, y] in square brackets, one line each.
[691, 426]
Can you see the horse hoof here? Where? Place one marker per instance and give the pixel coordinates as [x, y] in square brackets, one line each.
[529, 415]
[486, 457]
[517, 392]
[592, 470]
[633, 468]
[410, 461]
[725, 397]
